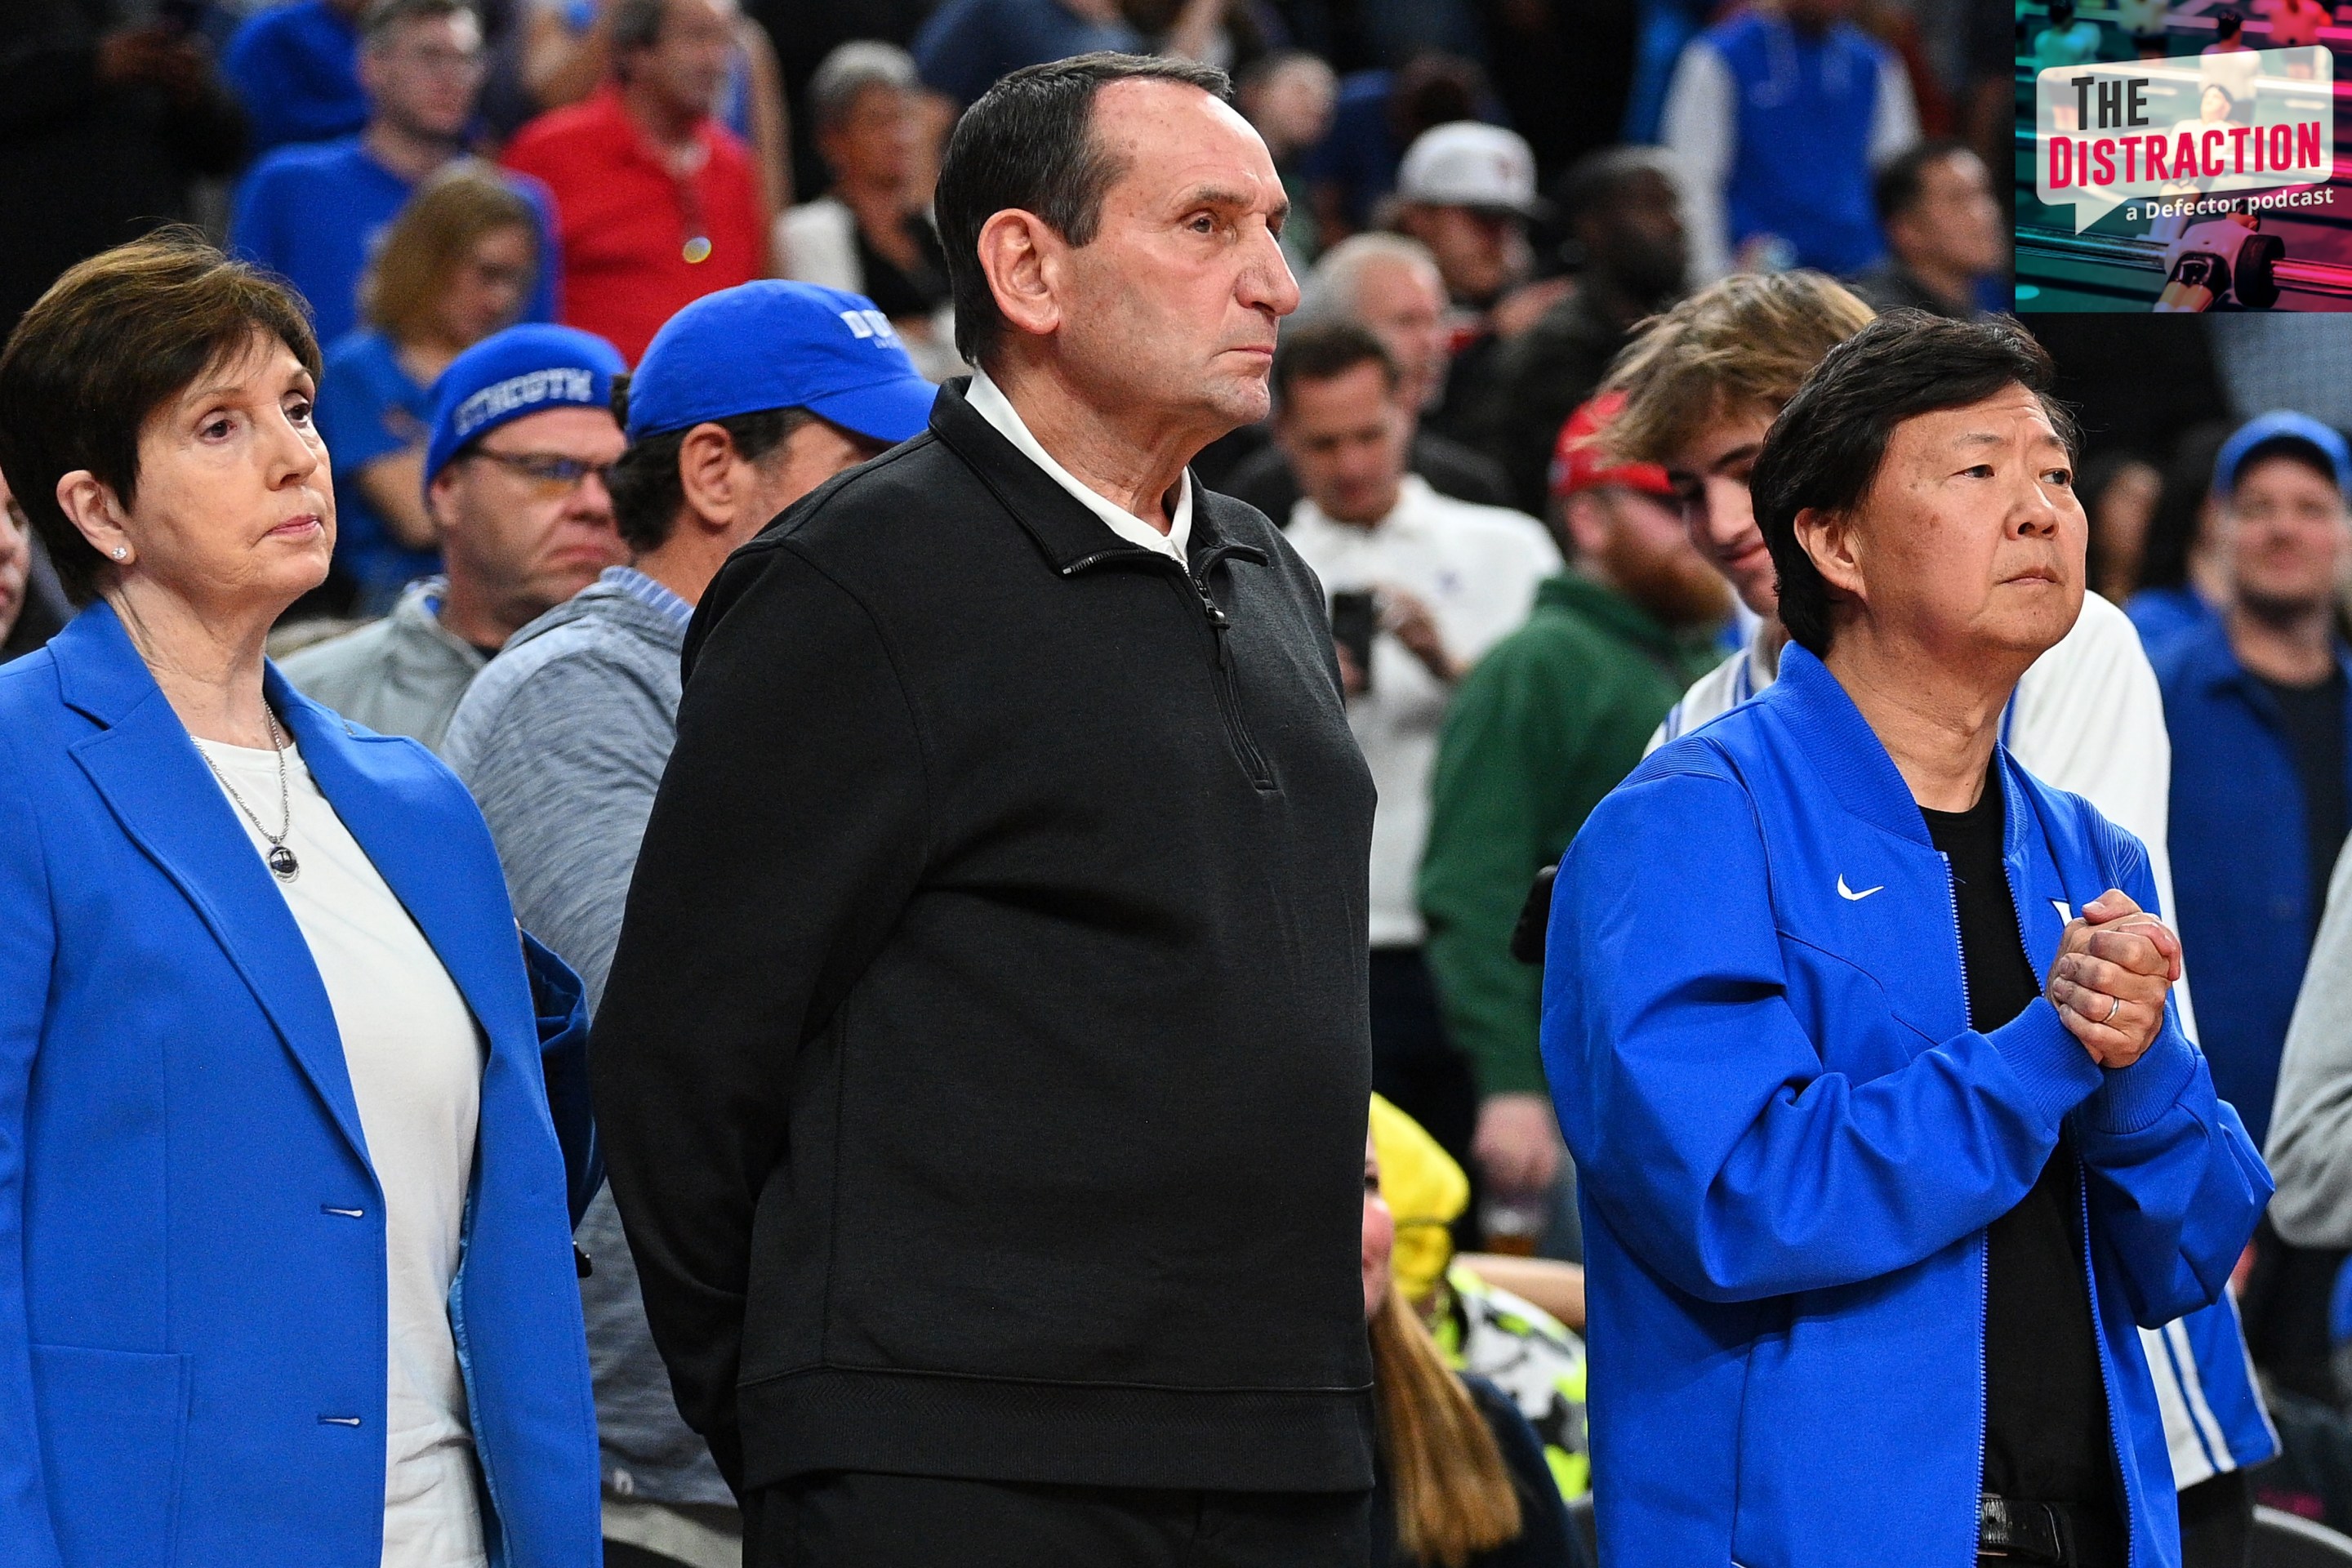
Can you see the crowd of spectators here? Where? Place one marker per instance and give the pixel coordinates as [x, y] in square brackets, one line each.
[457, 266]
[1535, 354]
[316, 212]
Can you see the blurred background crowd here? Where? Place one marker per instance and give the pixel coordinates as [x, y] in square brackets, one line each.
[426, 173]
[1488, 196]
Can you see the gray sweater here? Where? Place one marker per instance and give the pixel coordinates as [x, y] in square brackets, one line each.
[400, 676]
[562, 739]
[2310, 1150]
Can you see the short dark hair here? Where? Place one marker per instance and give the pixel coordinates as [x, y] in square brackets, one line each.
[636, 25]
[647, 494]
[1902, 183]
[1597, 179]
[1030, 143]
[1321, 351]
[2174, 531]
[116, 338]
[1430, 90]
[384, 15]
[1825, 451]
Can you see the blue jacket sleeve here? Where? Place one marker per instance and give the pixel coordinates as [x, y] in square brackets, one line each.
[1704, 1124]
[2174, 1184]
[28, 948]
[560, 1002]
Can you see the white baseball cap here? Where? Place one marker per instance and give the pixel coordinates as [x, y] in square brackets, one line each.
[1469, 164]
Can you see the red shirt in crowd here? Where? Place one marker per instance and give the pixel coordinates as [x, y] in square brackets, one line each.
[628, 227]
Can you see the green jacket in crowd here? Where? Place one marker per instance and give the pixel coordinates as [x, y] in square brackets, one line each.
[1551, 720]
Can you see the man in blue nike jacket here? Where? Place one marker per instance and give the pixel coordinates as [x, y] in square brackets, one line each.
[1890, 1141]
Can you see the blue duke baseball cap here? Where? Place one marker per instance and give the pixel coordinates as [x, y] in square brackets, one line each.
[775, 344]
[523, 370]
[2268, 432]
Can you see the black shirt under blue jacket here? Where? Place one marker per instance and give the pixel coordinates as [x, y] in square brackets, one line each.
[2046, 1437]
[989, 1015]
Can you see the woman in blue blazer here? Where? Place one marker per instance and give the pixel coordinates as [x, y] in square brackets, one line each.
[1887, 1137]
[285, 1273]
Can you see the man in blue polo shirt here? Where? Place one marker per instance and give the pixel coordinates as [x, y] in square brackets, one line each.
[296, 69]
[746, 400]
[313, 213]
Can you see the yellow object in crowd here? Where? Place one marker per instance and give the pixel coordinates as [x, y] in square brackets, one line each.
[1426, 1192]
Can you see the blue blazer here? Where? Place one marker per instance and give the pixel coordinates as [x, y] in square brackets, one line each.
[1790, 1140]
[192, 1248]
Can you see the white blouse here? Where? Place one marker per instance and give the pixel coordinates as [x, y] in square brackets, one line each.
[415, 1059]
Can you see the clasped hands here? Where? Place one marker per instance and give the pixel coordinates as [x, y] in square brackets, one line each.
[2116, 965]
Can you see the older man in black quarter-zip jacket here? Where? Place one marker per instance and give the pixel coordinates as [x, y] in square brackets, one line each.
[983, 1067]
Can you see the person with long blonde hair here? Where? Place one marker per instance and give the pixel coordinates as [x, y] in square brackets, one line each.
[456, 266]
[1460, 1478]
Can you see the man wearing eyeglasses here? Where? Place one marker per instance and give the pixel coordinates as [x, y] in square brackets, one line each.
[523, 435]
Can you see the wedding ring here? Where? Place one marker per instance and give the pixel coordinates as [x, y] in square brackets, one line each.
[2115, 1006]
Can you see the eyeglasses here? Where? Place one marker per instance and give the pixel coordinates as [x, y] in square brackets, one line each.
[546, 470]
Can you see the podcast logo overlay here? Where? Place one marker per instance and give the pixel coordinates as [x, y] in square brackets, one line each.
[2191, 137]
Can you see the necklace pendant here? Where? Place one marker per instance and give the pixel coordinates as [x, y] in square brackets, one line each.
[282, 863]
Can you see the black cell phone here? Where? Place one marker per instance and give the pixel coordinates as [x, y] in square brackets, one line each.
[1355, 619]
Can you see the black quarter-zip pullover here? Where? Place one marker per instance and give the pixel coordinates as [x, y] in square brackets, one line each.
[987, 1034]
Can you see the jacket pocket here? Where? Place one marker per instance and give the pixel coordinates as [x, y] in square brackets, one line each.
[113, 1429]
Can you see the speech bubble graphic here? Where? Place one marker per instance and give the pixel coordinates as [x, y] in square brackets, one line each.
[2184, 136]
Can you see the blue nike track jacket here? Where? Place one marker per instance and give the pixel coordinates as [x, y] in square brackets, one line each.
[1790, 1141]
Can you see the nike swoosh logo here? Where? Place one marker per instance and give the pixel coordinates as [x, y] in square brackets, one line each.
[1848, 893]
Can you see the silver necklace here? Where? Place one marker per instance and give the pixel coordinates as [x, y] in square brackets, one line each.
[279, 859]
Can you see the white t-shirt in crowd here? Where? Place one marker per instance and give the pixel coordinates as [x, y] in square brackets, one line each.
[1476, 568]
[2087, 718]
[415, 1059]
